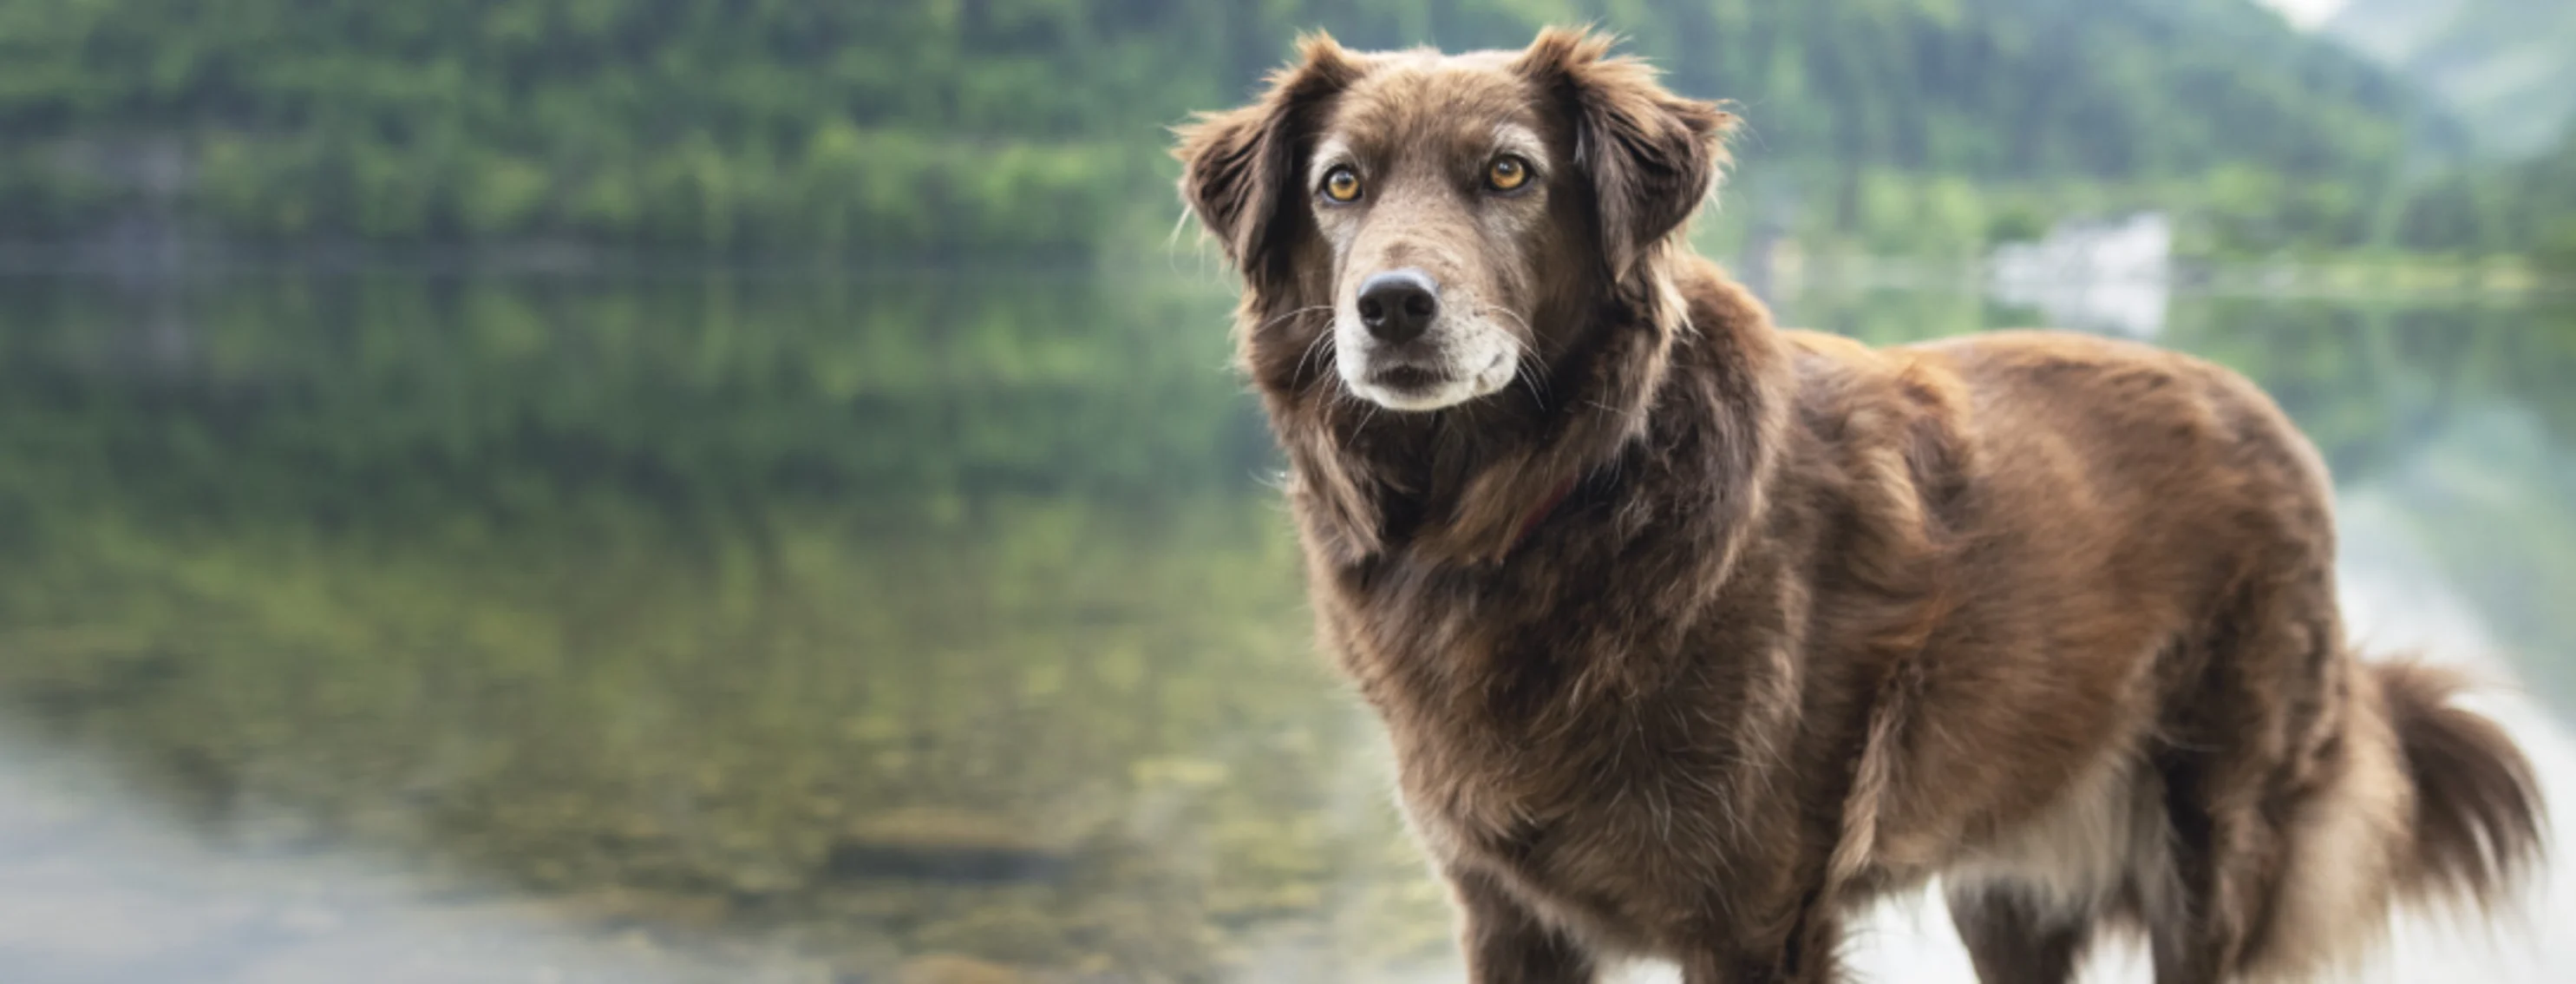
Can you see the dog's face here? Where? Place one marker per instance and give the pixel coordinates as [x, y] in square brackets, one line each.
[1431, 184]
[1451, 214]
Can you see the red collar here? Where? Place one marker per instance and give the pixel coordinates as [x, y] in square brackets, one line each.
[1546, 507]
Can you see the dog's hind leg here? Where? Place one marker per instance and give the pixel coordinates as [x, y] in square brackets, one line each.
[2220, 844]
[2251, 732]
[2014, 939]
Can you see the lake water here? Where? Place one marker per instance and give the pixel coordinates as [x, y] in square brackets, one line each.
[398, 627]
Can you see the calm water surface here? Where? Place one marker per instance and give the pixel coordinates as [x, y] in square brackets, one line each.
[405, 628]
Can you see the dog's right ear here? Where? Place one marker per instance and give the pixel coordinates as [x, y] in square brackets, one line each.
[1239, 168]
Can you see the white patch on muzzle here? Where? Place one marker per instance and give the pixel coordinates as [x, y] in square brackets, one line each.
[1462, 356]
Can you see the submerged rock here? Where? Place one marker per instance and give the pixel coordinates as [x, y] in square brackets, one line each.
[947, 845]
[942, 968]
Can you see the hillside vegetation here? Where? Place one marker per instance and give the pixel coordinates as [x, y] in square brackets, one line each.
[2508, 67]
[957, 130]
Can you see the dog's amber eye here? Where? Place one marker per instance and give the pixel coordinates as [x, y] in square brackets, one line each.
[1342, 184]
[1507, 173]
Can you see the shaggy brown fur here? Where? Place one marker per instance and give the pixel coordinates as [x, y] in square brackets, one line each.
[1702, 634]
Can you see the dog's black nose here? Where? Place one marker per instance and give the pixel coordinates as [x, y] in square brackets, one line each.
[1398, 305]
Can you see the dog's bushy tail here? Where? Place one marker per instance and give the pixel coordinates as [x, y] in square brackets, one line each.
[2479, 817]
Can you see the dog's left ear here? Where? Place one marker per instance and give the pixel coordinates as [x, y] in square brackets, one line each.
[1652, 156]
[1239, 168]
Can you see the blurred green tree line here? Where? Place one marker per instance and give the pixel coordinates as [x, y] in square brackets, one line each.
[942, 130]
[2524, 206]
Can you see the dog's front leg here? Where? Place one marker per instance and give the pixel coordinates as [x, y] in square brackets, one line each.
[1506, 943]
[1808, 953]
[1724, 968]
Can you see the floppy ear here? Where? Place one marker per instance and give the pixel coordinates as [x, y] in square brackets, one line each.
[1239, 168]
[1652, 156]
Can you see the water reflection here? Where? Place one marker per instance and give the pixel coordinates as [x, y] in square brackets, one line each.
[99, 887]
[706, 629]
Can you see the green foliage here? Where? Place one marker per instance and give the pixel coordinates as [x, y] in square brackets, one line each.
[38, 197]
[2251, 211]
[2523, 207]
[1032, 129]
[2546, 189]
[895, 131]
[2015, 225]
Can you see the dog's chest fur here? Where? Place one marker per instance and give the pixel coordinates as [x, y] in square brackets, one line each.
[1592, 755]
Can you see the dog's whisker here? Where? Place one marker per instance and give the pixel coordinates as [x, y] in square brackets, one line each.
[1525, 369]
[1523, 355]
[1308, 309]
[1322, 338]
[1172, 244]
[1323, 343]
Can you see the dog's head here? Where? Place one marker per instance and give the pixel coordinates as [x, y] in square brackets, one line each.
[1454, 215]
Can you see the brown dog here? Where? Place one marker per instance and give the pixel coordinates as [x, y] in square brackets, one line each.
[1693, 635]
